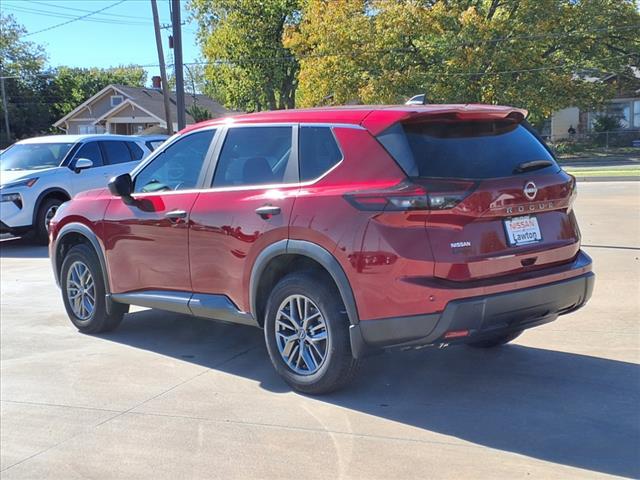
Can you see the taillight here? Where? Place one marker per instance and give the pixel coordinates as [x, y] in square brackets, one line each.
[421, 194]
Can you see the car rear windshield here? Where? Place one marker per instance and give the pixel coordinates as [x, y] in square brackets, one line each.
[474, 150]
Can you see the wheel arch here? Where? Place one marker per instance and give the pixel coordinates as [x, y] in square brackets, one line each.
[55, 192]
[72, 234]
[304, 250]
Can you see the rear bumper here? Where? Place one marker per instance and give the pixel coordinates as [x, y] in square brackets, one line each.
[480, 316]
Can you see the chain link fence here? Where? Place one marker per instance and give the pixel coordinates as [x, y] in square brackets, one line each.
[607, 142]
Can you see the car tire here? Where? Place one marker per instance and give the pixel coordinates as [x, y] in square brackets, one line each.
[496, 341]
[83, 292]
[300, 362]
[45, 212]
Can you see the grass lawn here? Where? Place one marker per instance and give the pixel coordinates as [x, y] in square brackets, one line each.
[604, 172]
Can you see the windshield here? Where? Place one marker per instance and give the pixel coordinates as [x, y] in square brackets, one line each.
[475, 150]
[33, 156]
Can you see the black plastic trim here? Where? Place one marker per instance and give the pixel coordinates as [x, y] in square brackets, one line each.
[215, 307]
[482, 316]
[313, 251]
[97, 246]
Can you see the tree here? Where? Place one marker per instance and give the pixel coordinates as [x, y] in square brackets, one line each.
[536, 54]
[22, 63]
[71, 86]
[249, 68]
[199, 113]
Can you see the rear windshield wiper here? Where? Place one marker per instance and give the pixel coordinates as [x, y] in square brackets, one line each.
[532, 165]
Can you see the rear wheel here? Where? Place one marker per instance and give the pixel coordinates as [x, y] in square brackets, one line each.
[496, 341]
[307, 334]
[47, 210]
[83, 292]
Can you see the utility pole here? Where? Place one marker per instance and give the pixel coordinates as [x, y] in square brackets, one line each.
[5, 109]
[163, 71]
[177, 52]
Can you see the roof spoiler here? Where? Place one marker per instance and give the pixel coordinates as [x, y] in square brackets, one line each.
[380, 120]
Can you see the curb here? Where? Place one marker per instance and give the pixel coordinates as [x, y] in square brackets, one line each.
[607, 179]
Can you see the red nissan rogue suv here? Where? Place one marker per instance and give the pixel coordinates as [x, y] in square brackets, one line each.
[339, 231]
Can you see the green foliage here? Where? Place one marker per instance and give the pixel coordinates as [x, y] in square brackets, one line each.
[72, 86]
[38, 96]
[250, 68]
[26, 89]
[198, 112]
[606, 123]
[530, 53]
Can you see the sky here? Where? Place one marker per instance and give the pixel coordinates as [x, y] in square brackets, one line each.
[120, 35]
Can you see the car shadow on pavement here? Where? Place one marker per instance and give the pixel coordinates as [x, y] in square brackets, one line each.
[559, 407]
[11, 247]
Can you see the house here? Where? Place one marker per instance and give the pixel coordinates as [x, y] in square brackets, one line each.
[131, 110]
[625, 106]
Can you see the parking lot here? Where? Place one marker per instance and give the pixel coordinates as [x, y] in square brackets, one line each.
[166, 396]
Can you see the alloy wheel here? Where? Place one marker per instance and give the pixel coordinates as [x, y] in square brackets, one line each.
[301, 334]
[49, 215]
[81, 291]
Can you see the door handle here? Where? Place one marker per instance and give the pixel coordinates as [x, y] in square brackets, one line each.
[175, 215]
[267, 211]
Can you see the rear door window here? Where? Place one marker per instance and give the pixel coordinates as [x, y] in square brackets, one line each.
[473, 150]
[116, 152]
[136, 152]
[319, 152]
[254, 156]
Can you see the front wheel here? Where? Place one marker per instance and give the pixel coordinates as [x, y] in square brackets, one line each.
[496, 341]
[307, 334]
[45, 213]
[83, 292]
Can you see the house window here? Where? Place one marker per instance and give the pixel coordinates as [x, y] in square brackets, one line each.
[618, 109]
[636, 113]
[116, 100]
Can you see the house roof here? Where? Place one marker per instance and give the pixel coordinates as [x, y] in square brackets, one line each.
[151, 100]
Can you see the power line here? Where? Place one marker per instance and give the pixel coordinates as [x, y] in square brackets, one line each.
[73, 9]
[444, 74]
[74, 19]
[110, 21]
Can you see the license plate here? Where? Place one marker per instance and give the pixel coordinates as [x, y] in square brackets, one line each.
[522, 230]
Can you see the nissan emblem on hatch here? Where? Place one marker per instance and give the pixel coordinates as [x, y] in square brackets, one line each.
[530, 190]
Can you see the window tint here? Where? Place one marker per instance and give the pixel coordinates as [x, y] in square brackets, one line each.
[254, 156]
[136, 152]
[178, 167]
[91, 151]
[116, 152]
[474, 150]
[318, 152]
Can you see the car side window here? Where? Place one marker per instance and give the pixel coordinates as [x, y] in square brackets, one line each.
[91, 151]
[136, 152]
[254, 156]
[116, 152]
[178, 167]
[319, 152]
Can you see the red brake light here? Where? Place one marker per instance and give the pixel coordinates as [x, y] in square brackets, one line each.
[402, 197]
[421, 194]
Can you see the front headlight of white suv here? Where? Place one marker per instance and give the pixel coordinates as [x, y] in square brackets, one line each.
[25, 182]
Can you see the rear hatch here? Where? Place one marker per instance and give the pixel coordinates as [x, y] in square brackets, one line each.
[498, 202]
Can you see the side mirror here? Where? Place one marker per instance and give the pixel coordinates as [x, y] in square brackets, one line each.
[82, 164]
[122, 186]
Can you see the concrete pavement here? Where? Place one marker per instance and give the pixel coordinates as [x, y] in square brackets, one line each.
[167, 396]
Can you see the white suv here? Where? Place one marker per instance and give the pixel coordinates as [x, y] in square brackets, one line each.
[39, 174]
